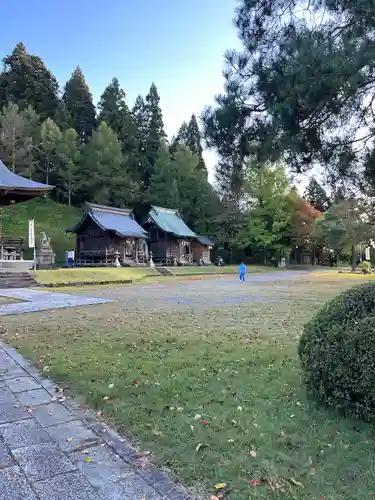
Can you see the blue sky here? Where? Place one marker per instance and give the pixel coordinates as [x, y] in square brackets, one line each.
[177, 44]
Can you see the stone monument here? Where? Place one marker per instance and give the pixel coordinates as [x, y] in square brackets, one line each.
[45, 257]
[117, 259]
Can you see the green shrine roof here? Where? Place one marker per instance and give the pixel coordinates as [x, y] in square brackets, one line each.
[170, 221]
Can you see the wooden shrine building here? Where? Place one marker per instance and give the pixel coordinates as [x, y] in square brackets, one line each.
[105, 233]
[170, 239]
[16, 189]
[201, 248]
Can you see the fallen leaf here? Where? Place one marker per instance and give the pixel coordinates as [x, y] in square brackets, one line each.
[297, 483]
[220, 486]
[141, 454]
[205, 422]
[111, 386]
[105, 398]
[200, 445]
[134, 382]
[214, 497]
[254, 482]
[141, 465]
[69, 439]
[197, 416]
[253, 453]
[88, 460]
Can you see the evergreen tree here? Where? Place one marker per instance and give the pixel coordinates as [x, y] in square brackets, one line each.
[155, 134]
[164, 189]
[141, 163]
[189, 135]
[269, 211]
[114, 110]
[103, 174]
[179, 139]
[26, 81]
[316, 195]
[51, 137]
[62, 116]
[15, 142]
[193, 141]
[112, 107]
[176, 183]
[68, 174]
[344, 226]
[79, 105]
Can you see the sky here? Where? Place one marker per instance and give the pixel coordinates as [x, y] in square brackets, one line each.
[178, 45]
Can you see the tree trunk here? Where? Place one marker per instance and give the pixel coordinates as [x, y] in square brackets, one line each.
[354, 259]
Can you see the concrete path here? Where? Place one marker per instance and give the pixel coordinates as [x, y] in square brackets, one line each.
[51, 449]
[40, 300]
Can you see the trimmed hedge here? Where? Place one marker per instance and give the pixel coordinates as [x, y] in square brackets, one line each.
[337, 352]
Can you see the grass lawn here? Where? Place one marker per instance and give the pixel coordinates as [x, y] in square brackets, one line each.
[50, 217]
[214, 393]
[217, 270]
[93, 275]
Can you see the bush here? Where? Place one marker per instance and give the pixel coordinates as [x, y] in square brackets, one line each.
[337, 352]
[365, 267]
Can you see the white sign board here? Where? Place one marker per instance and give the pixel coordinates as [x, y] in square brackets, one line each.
[367, 253]
[31, 234]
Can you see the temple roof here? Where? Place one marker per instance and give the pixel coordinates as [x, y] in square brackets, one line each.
[170, 221]
[203, 240]
[14, 188]
[119, 220]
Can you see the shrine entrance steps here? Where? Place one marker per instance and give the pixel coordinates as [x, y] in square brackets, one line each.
[16, 279]
[164, 271]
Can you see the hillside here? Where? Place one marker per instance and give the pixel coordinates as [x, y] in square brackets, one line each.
[50, 217]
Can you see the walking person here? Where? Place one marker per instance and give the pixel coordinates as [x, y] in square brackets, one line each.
[242, 271]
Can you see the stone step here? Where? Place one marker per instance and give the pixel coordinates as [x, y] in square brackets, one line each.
[14, 279]
[164, 271]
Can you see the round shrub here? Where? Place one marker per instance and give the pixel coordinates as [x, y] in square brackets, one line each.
[365, 267]
[337, 352]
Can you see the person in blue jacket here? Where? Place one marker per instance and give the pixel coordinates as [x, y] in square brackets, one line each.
[242, 271]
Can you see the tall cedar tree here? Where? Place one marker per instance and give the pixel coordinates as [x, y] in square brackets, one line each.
[155, 134]
[142, 167]
[113, 109]
[189, 135]
[104, 178]
[316, 196]
[78, 101]
[26, 81]
[178, 183]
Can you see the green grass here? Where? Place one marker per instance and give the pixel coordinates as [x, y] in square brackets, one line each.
[50, 217]
[214, 393]
[91, 275]
[216, 270]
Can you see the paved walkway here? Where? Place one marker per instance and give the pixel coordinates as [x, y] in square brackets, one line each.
[41, 300]
[51, 449]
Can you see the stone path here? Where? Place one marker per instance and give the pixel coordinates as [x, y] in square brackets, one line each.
[39, 300]
[51, 449]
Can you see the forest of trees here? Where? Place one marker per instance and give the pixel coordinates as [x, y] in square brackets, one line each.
[114, 154]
